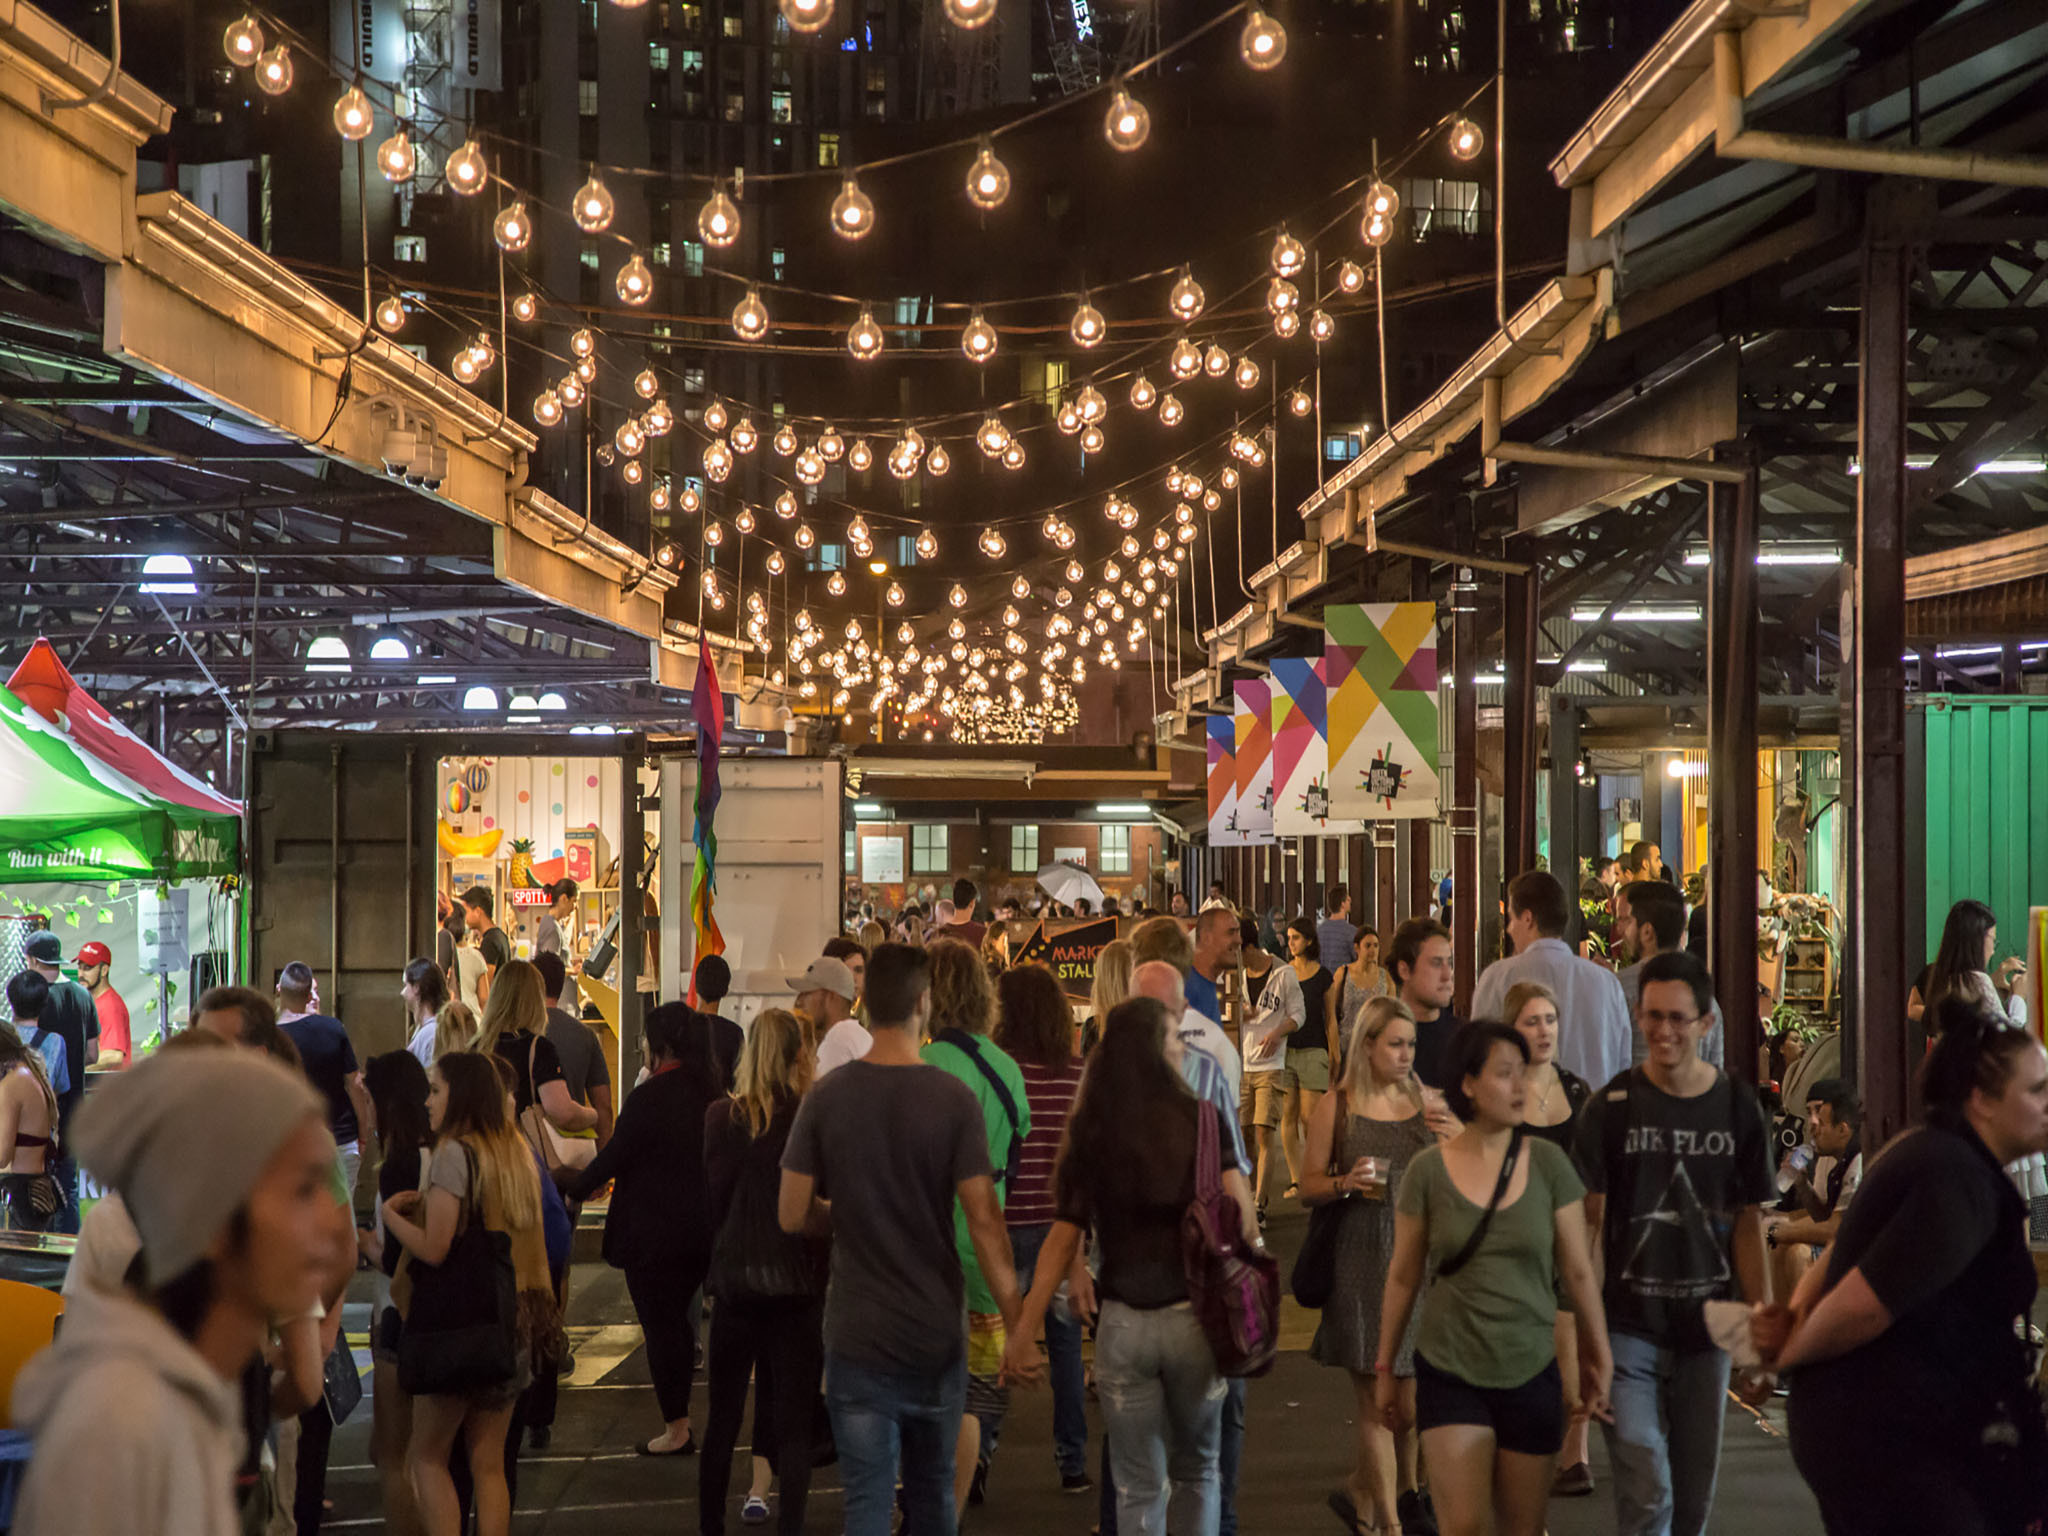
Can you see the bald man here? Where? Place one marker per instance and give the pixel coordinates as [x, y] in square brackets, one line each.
[1160, 981]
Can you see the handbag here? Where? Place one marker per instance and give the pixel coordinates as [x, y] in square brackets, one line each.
[461, 1333]
[1315, 1268]
[341, 1383]
[1463, 1256]
[563, 1155]
[1235, 1288]
[751, 1255]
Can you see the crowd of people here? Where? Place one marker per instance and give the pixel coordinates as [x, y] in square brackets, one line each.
[924, 1186]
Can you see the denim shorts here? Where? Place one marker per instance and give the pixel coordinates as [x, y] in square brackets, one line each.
[1528, 1419]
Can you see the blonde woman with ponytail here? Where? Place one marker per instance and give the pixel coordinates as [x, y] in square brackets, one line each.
[770, 1286]
[1360, 1141]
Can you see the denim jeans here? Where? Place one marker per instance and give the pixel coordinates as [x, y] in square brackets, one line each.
[1163, 1403]
[1231, 1454]
[65, 1171]
[1063, 1347]
[879, 1417]
[1665, 1441]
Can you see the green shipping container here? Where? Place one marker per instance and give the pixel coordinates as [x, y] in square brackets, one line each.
[1983, 795]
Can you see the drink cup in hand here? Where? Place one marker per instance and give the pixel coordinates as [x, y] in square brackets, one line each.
[1370, 1174]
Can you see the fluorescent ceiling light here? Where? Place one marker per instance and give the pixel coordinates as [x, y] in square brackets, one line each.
[480, 697]
[2017, 465]
[1643, 613]
[553, 701]
[327, 653]
[867, 808]
[431, 679]
[1123, 808]
[1489, 679]
[1786, 554]
[525, 702]
[1682, 768]
[391, 648]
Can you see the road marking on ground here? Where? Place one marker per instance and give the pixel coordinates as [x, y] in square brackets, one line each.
[601, 1351]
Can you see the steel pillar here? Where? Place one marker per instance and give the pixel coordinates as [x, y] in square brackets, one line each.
[1518, 797]
[1462, 814]
[1569, 841]
[634, 924]
[1894, 213]
[1420, 887]
[1731, 758]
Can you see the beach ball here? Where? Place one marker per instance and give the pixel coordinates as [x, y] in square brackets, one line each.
[458, 797]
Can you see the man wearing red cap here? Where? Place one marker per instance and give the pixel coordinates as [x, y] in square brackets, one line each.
[95, 964]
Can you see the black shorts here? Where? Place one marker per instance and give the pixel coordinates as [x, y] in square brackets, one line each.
[1528, 1419]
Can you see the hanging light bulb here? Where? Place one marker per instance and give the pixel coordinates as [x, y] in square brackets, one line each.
[988, 179]
[1143, 395]
[692, 499]
[853, 213]
[1281, 296]
[353, 117]
[938, 461]
[1466, 139]
[744, 520]
[1382, 199]
[745, 437]
[1211, 500]
[1013, 456]
[465, 367]
[978, 340]
[750, 317]
[1127, 124]
[243, 40]
[1092, 439]
[893, 594]
[1215, 361]
[784, 441]
[927, 544]
[718, 221]
[864, 337]
[658, 498]
[1263, 41]
[714, 534]
[1186, 298]
[659, 420]
[1087, 327]
[717, 459]
[1069, 418]
[1090, 403]
[1170, 410]
[583, 341]
[547, 409]
[958, 596]
[512, 229]
[1185, 361]
[395, 156]
[1376, 228]
[593, 206]
[1176, 477]
[831, 446]
[1299, 403]
[1321, 326]
[970, 14]
[526, 308]
[274, 71]
[633, 471]
[810, 466]
[776, 564]
[571, 390]
[1227, 478]
[391, 314]
[806, 537]
[635, 283]
[860, 457]
[992, 543]
[1350, 277]
[1287, 323]
[467, 170]
[807, 15]
[1247, 372]
[1289, 256]
[645, 384]
[993, 436]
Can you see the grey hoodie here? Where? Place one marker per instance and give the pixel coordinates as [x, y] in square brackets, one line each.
[134, 1431]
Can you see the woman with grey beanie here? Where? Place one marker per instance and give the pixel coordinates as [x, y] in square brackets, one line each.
[136, 1411]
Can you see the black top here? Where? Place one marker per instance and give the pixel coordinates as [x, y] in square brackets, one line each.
[752, 1255]
[400, 1170]
[1432, 1040]
[535, 1060]
[660, 1216]
[1940, 1234]
[723, 1041]
[1135, 1210]
[1313, 1034]
[495, 947]
[69, 1014]
[1575, 1094]
[329, 1060]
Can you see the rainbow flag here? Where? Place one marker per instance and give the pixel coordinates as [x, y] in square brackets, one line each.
[707, 708]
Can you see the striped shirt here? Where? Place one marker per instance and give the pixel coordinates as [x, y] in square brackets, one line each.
[1050, 1091]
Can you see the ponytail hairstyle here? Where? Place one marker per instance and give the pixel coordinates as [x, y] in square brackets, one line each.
[775, 1068]
[1974, 1052]
[428, 984]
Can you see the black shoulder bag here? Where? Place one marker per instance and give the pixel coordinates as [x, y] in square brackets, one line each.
[970, 1047]
[1315, 1268]
[1463, 1256]
[462, 1331]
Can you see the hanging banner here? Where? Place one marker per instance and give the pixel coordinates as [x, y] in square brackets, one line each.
[1301, 750]
[1379, 667]
[1223, 828]
[1254, 722]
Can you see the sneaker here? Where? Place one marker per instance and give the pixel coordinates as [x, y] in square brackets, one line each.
[1573, 1482]
[977, 1489]
[1416, 1516]
[1076, 1482]
[754, 1511]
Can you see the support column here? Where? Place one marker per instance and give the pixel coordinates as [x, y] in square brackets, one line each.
[634, 924]
[1569, 841]
[1732, 756]
[1462, 814]
[1895, 211]
[1518, 798]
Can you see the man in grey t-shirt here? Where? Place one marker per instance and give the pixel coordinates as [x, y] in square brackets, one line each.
[582, 1053]
[891, 1143]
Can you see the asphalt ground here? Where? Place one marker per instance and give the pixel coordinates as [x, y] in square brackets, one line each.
[1299, 1432]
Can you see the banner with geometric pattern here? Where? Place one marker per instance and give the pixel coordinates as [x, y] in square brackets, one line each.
[1379, 671]
[1254, 723]
[1301, 749]
[1223, 828]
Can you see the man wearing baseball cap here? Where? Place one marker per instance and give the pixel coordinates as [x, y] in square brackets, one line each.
[95, 972]
[824, 995]
[69, 1014]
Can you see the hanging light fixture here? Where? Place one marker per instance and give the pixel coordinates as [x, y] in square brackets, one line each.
[391, 314]
[1321, 326]
[274, 71]
[1186, 298]
[243, 40]
[978, 340]
[1288, 256]
[1298, 402]
[853, 212]
[926, 545]
[1263, 41]
[1350, 277]
[396, 157]
[810, 468]
[1143, 395]
[970, 14]
[1185, 361]
[715, 416]
[353, 117]
[993, 436]
[988, 179]
[938, 461]
[1013, 456]
[1247, 372]
[526, 308]
[750, 317]
[1465, 139]
[807, 15]
[718, 221]
[1170, 410]
[635, 283]
[860, 457]
[547, 409]
[745, 437]
[864, 337]
[571, 390]
[593, 206]
[1127, 124]
[1376, 228]
[512, 229]
[467, 169]
[1087, 327]
[1215, 361]
[1287, 323]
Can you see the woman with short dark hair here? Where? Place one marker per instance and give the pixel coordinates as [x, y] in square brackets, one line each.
[1912, 1403]
[1498, 1216]
[425, 991]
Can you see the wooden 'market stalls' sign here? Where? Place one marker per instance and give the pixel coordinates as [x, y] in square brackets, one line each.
[1069, 954]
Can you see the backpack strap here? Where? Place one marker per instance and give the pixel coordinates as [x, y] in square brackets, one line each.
[970, 1047]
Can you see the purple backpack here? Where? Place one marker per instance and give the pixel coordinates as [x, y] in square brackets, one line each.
[1235, 1288]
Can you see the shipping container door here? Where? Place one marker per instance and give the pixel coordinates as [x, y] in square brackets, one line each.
[1986, 812]
[340, 876]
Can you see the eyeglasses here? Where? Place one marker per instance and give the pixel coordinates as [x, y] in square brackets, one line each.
[1676, 1020]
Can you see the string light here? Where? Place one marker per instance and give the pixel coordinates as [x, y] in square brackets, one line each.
[744, 520]
[1289, 256]
[467, 169]
[988, 179]
[1170, 410]
[593, 206]
[1376, 228]
[776, 563]
[243, 40]
[635, 283]
[750, 317]
[1069, 418]
[1090, 403]
[668, 555]
[717, 459]
[993, 436]
[512, 229]
[1092, 439]
[634, 471]
[353, 117]
[810, 468]
[645, 384]
[1351, 277]
[860, 457]
[1247, 372]
[938, 461]
[1466, 139]
[893, 594]
[864, 337]
[836, 584]
[1287, 323]
[1263, 42]
[714, 416]
[391, 314]
[274, 71]
[992, 543]
[571, 390]
[1127, 124]
[1087, 327]
[1299, 403]
[1227, 478]
[831, 446]
[547, 409]
[853, 212]
[807, 15]
[970, 14]
[1186, 298]
[658, 498]
[1215, 361]
[1013, 456]
[806, 537]
[1143, 395]
[927, 544]
[1185, 360]
[583, 341]
[692, 500]
[1281, 296]
[659, 420]
[784, 441]
[744, 435]
[1321, 326]
[465, 367]
[958, 596]
[1382, 199]
[978, 340]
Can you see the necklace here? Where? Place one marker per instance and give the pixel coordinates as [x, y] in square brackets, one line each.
[1544, 1102]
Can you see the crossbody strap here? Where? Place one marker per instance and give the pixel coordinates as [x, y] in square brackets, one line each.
[970, 1047]
[1338, 1128]
[1463, 1256]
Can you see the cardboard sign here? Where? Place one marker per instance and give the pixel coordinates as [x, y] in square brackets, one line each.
[1069, 954]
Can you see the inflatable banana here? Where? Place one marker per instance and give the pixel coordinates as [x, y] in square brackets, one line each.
[475, 845]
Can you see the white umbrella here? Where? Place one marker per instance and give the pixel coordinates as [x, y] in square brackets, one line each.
[1068, 883]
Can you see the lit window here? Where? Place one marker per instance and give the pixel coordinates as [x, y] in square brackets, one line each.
[878, 76]
[693, 258]
[693, 381]
[778, 258]
[408, 247]
[735, 26]
[1340, 447]
[657, 56]
[586, 98]
[1115, 851]
[693, 61]
[778, 106]
[735, 106]
[928, 854]
[658, 253]
[690, 19]
[1023, 850]
[1045, 378]
[828, 150]
[588, 255]
[909, 311]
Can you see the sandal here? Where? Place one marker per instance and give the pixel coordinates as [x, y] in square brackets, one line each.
[1345, 1508]
[1290, 1192]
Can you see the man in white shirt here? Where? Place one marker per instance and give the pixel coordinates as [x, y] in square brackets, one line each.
[1268, 1084]
[824, 995]
[1163, 938]
[1593, 1030]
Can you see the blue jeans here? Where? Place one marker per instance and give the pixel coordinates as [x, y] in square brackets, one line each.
[1063, 1348]
[65, 1171]
[881, 1417]
[1665, 1441]
[1232, 1453]
[1163, 1404]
